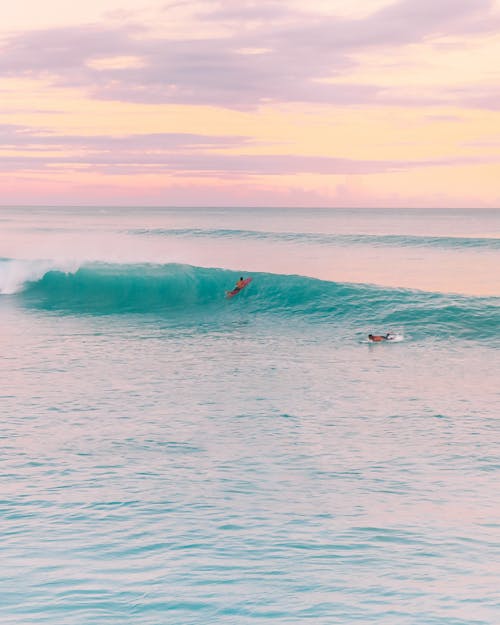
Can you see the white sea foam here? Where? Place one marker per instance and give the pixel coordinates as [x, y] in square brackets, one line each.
[15, 274]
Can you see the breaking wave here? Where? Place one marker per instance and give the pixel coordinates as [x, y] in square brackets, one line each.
[179, 292]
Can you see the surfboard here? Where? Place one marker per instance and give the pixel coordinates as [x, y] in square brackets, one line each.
[236, 290]
[395, 338]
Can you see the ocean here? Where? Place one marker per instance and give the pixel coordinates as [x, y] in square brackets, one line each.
[171, 456]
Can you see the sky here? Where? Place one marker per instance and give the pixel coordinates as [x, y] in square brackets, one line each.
[383, 103]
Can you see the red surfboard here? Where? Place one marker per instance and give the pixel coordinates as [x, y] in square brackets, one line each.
[236, 290]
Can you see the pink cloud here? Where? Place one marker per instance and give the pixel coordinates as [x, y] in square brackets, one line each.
[26, 191]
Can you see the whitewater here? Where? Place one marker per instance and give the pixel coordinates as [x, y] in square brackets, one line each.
[172, 456]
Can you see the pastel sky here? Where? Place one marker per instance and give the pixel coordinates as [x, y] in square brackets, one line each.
[250, 102]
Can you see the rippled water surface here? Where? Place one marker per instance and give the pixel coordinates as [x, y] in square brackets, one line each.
[247, 461]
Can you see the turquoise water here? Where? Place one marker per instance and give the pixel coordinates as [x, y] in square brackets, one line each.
[170, 456]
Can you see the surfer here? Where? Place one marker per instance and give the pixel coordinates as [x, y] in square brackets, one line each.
[239, 285]
[378, 338]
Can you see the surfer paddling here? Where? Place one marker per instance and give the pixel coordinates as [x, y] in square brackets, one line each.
[241, 284]
[378, 338]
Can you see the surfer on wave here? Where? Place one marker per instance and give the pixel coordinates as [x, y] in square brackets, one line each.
[239, 285]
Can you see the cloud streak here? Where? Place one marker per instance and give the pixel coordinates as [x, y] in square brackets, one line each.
[295, 53]
[22, 149]
[16, 136]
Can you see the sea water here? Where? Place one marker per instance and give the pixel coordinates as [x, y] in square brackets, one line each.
[169, 456]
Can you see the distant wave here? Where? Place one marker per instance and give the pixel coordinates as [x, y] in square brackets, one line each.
[180, 292]
[387, 240]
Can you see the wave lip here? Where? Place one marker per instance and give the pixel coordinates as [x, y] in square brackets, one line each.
[181, 292]
[16, 274]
